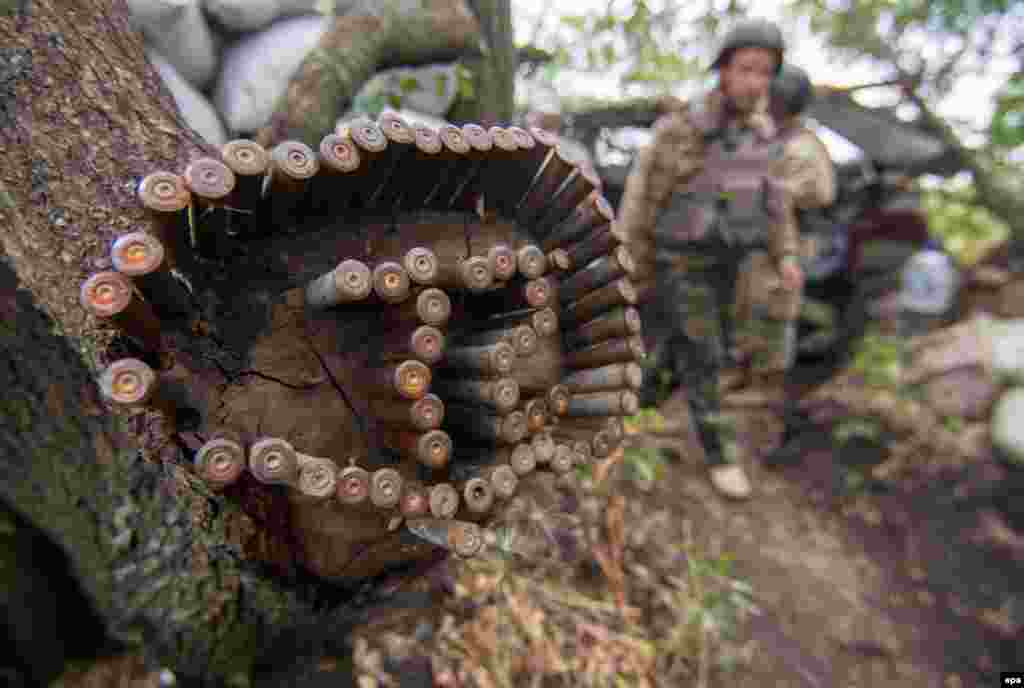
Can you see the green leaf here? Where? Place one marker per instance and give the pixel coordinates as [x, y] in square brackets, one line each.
[854, 480]
[407, 84]
[562, 58]
[847, 430]
[640, 76]
[743, 588]
[636, 25]
[606, 23]
[370, 104]
[441, 84]
[575, 21]
[608, 54]
[465, 89]
[695, 616]
[643, 464]
[954, 424]
[965, 228]
[1007, 126]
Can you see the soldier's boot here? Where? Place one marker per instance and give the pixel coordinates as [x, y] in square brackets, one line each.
[764, 389]
[725, 472]
[772, 386]
[730, 480]
[736, 371]
[798, 432]
[732, 379]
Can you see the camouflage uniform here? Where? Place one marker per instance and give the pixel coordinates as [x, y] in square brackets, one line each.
[696, 280]
[767, 313]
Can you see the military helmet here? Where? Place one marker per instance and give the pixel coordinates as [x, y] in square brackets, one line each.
[792, 88]
[751, 33]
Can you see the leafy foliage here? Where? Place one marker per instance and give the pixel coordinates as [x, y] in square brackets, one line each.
[966, 228]
[647, 420]
[720, 607]
[643, 465]
[929, 48]
[652, 46]
[879, 359]
[466, 89]
[951, 15]
[1007, 127]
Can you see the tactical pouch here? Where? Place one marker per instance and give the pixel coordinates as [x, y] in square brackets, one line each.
[745, 214]
[689, 219]
[823, 245]
[766, 293]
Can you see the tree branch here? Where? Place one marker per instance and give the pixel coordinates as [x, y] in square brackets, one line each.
[494, 72]
[1005, 204]
[991, 193]
[356, 46]
[532, 55]
[944, 73]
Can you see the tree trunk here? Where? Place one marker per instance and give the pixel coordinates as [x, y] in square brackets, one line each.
[356, 46]
[84, 118]
[218, 582]
[493, 72]
[155, 557]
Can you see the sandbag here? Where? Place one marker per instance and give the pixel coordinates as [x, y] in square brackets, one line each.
[256, 70]
[1007, 428]
[963, 392]
[1007, 339]
[178, 31]
[251, 15]
[197, 111]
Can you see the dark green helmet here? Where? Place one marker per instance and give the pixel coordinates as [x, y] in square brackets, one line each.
[792, 89]
[751, 33]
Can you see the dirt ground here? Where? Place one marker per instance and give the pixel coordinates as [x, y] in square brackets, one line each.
[823, 599]
[859, 593]
[849, 591]
[911, 585]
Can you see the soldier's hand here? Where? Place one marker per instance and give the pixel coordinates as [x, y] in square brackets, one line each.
[689, 166]
[792, 275]
[668, 104]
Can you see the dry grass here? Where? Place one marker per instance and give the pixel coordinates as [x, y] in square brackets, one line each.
[125, 671]
[585, 583]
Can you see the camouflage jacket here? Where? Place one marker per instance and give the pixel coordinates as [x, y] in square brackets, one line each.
[667, 164]
[805, 168]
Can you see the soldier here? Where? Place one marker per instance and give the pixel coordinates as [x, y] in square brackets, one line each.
[767, 315]
[701, 197]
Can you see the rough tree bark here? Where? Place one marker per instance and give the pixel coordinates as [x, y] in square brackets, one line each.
[83, 117]
[494, 71]
[131, 531]
[217, 584]
[356, 46]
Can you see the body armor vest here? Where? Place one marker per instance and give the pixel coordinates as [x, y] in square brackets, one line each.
[733, 201]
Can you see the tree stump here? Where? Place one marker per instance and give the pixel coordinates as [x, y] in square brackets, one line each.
[336, 360]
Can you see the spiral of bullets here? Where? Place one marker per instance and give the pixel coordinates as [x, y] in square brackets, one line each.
[512, 351]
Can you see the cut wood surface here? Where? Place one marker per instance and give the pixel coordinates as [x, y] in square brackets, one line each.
[216, 572]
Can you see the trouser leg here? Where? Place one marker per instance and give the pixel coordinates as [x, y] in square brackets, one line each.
[699, 353]
[658, 335]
